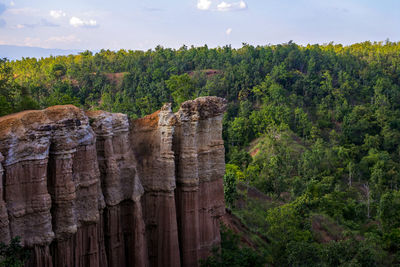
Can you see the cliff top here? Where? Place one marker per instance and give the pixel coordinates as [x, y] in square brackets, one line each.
[150, 121]
[28, 118]
[200, 108]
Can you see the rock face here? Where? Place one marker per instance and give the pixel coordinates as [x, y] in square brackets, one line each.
[200, 164]
[98, 189]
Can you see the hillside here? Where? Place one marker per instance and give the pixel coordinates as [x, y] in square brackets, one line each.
[315, 129]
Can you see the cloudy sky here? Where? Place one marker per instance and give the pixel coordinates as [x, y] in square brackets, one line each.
[132, 24]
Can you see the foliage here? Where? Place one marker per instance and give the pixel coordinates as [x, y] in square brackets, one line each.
[231, 177]
[13, 97]
[315, 128]
[232, 254]
[13, 254]
[181, 87]
[285, 226]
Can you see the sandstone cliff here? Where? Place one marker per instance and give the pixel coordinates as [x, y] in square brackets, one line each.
[98, 189]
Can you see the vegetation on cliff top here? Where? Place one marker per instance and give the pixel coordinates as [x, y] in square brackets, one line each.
[316, 129]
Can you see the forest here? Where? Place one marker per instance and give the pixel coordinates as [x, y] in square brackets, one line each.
[312, 136]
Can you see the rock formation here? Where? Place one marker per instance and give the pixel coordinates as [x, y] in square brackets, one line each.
[200, 164]
[98, 189]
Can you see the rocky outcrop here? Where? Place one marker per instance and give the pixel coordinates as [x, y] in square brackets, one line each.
[200, 164]
[151, 139]
[124, 228]
[98, 189]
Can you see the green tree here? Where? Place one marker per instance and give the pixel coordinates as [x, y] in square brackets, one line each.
[232, 254]
[13, 254]
[389, 210]
[182, 88]
[285, 225]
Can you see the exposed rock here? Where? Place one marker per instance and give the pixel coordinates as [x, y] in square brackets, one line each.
[124, 226]
[96, 189]
[200, 163]
[151, 139]
[4, 229]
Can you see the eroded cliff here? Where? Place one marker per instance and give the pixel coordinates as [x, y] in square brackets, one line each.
[98, 189]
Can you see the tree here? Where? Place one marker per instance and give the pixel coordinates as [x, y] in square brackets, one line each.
[182, 88]
[230, 188]
[285, 225]
[13, 97]
[389, 210]
[13, 254]
[232, 254]
[5, 88]
[368, 193]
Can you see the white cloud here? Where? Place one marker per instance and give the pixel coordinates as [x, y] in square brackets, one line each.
[12, 3]
[50, 42]
[29, 41]
[221, 6]
[64, 39]
[224, 6]
[228, 31]
[57, 14]
[41, 23]
[23, 11]
[77, 22]
[203, 4]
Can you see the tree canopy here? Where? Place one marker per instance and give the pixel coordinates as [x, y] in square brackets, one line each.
[315, 128]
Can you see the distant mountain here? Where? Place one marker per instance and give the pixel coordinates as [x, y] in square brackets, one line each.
[13, 52]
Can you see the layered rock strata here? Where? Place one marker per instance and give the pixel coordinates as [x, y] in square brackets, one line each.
[98, 189]
[200, 164]
[151, 139]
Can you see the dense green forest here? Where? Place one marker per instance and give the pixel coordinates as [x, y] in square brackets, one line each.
[315, 129]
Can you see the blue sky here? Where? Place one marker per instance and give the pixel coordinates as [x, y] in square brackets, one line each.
[97, 24]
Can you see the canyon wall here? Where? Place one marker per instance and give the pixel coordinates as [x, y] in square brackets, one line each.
[99, 189]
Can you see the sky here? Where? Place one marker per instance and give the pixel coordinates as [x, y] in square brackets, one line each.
[132, 24]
